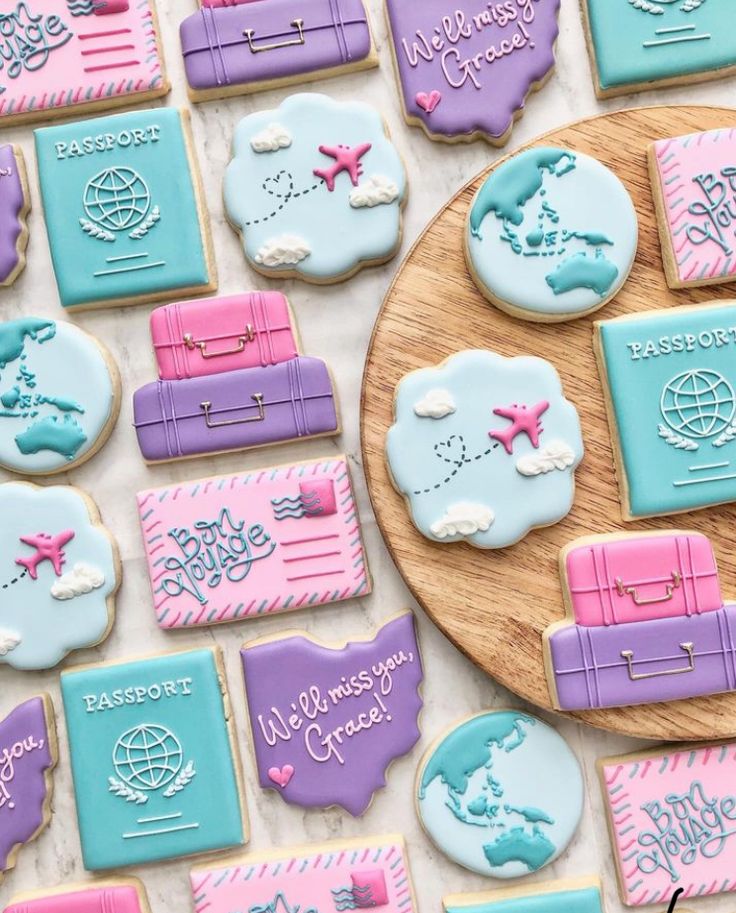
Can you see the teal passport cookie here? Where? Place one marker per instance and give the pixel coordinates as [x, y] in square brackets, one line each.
[152, 759]
[120, 199]
[580, 895]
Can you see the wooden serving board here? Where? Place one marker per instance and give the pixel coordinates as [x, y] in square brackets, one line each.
[494, 605]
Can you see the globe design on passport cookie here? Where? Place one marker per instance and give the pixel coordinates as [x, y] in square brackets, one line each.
[117, 199]
[147, 757]
[698, 404]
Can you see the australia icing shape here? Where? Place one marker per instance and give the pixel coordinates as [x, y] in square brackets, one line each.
[324, 205]
[564, 896]
[694, 180]
[552, 234]
[337, 876]
[356, 711]
[14, 207]
[154, 774]
[679, 808]
[58, 399]
[672, 406]
[501, 793]
[466, 70]
[125, 895]
[484, 448]
[121, 230]
[58, 576]
[27, 759]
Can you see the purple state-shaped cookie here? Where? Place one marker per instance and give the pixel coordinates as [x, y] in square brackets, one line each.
[327, 721]
[466, 67]
[13, 209]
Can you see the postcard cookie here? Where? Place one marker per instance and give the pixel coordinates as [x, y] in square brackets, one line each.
[60, 572]
[694, 185]
[59, 396]
[327, 720]
[119, 895]
[15, 204]
[466, 69]
[28, 755]
[484, 448]
[60, 56]
[566, 895]
[500, 793]
[551, 235]
[124, 210]
[315, 189]
[156, 771]
[671, 400]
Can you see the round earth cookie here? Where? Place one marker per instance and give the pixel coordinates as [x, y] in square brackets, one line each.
[500, 793]
[551, 235]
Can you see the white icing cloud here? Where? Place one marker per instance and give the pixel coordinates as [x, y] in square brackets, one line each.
[463, 519]
[9, 640]
[556, 455]
[435, 404]
[375, 191]
[271, 139]
[82, 578]
[286, 250]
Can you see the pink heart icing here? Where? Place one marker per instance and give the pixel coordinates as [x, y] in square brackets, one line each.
[429, 101]
[281, 776]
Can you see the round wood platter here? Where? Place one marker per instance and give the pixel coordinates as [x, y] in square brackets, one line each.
[495, 604]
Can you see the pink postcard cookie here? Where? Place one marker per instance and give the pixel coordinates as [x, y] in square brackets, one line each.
[694, 185]
[125, 895]
[236, 547]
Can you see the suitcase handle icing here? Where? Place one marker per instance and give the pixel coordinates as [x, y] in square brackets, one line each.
[298, 25]
[688, 647]
[191, 344]
[261, 417]
[638, 600]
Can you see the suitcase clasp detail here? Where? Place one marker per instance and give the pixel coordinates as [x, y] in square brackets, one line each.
[248, 336]
[688, 648]
[256, 397]
[298, 24]
[639, 600]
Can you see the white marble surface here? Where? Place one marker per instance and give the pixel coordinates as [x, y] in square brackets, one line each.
[335, 323]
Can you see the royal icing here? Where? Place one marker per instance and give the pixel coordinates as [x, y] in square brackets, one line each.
[484, 448]
[671, 818]
[695, 192]
[154, 774]
[58, 578]
[337, 876]
[327, 721]
[324, 204]
[121, 206]
[501, 793]
[466, 69]
[56, 55]
[670, 382]
[552, 234]
[578, 896]
[27, 759]
[236, 547]
[58, 398]
[120, 896]
[639, 43]
[14, 208]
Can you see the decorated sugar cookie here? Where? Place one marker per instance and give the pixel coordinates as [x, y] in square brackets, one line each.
[328, 720]
[59, 575]
[466, 70]
[694, 186]
[28, 755]
[121, 895]
[14, 207]
[339, 875]
[671, 398]
[568, 895]
[484, 448]
[636, 45]
[315, 189]
[57, 56]
[551, 235]
[59, 396]
[500, 793]
[156, 775]
[123, 208]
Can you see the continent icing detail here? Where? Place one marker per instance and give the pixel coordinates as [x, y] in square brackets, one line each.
[58, 397]
[27, 759]
[564, 896]
[152, 758]
[357, 712]
[324, 205]
[552, 234]
[458, 470]
[14, 207]
[466, 72]
[120, 896]
[501, 793]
